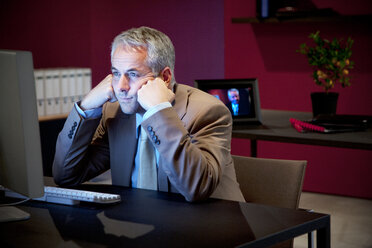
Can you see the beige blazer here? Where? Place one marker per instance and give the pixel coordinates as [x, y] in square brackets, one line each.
[193, 140]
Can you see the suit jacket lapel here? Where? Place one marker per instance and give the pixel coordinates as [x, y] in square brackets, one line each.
[181, 100]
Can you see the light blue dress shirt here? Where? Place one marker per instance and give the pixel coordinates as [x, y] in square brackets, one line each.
[235, 108]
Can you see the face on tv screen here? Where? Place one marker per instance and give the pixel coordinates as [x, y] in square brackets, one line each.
[237, 100]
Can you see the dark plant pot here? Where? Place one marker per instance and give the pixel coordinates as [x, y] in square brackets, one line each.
[324, 103]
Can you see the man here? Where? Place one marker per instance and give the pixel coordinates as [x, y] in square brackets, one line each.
[235, 107]
[152, 132]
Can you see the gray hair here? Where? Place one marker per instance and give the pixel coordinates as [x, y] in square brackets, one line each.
[232, 90]
[160, 50]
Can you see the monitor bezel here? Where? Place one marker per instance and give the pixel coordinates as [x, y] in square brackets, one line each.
[21, 168]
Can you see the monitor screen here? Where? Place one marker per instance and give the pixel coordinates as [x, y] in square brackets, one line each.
[240, 96]
[20, 151]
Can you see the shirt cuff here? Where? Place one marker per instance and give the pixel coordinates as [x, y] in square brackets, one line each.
[90, 113]
[156, 109]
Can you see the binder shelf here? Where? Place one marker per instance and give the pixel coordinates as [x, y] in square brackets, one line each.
[57, 89]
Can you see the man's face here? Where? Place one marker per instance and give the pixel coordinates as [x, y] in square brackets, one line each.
[129, 72]
[234, 96]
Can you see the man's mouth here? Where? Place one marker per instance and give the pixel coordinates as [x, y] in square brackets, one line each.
[125, 99]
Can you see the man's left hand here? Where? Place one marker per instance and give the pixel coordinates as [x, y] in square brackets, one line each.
[153, 93]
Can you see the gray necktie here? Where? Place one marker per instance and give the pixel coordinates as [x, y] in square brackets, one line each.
[147, 173]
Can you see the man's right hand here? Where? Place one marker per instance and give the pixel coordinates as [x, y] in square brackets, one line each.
[99, 95]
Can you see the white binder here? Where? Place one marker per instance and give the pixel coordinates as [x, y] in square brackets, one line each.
[71, 88]
[40, 96]
[52, 92]
[48, 93]
[87, 80]
[79, 84]
[64, 84]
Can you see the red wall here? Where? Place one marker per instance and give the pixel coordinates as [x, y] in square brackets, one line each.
[56, 32]
[79, 33]
[267, 52]
[189, 26]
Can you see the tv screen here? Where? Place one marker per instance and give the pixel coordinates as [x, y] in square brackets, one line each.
[240, 96]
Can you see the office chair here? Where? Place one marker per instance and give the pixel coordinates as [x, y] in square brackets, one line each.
[271, 182]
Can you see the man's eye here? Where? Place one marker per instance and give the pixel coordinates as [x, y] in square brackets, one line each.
[132, 74]
[116, 74]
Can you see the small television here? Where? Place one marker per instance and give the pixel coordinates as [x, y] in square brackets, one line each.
[21, 168]
[241, 96]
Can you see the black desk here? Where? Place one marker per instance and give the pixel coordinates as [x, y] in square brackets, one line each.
[148, 218]
[276, 127]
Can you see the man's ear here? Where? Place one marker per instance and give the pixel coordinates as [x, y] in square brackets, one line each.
[166, 75]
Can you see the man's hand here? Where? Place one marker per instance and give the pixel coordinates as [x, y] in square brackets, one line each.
[153, 93]
[100, 94]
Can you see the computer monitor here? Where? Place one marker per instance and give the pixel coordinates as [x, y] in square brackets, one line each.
[239, 95]
[20, 150]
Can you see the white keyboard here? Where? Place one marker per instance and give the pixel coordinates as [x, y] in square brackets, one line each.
[72, 196]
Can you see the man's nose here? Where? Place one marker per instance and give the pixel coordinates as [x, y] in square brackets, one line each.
[123, 84]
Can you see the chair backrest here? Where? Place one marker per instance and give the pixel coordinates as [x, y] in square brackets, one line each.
[273, 182]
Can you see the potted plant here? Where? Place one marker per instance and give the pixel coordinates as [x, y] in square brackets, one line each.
[331, 64]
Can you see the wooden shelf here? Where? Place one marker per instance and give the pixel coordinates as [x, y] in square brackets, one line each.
[53, 117]
[336, 18]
